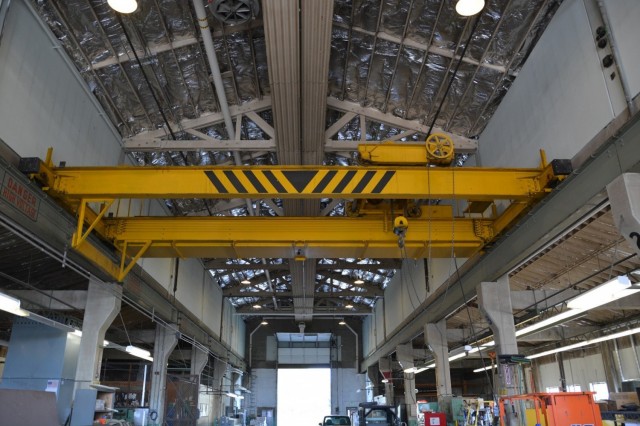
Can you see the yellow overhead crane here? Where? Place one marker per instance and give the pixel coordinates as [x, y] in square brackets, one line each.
[398, 228]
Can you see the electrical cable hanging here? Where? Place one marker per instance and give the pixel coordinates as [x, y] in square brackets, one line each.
[455, 72]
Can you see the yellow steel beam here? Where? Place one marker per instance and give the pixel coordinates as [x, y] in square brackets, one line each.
[469, 183]
[289, 237]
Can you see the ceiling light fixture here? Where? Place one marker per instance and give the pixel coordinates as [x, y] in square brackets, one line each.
[359, 281]
[11, 305]
[480, 370]
[342, 322]
[123, 6]
[586, 342]
[385, 380]
[139, 352]
[245, 282]
[257, 306]
[608, 292]
[348, 306]
[615, 289]
[264, 322]
[469, 7]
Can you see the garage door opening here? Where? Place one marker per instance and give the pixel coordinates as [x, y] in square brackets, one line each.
[304, 396]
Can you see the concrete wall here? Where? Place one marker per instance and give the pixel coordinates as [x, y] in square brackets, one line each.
[624, 16]
[264, 385]
[563, 96]
[579, 370]
[404, 293]
[347, 389]
[44, 102]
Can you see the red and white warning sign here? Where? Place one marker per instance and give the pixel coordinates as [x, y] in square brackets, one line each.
[20, 196]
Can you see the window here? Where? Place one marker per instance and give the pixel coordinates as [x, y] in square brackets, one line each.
[601, 390]
[553, 389]
[574, 388]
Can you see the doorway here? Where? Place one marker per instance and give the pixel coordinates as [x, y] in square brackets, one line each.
[304, 396]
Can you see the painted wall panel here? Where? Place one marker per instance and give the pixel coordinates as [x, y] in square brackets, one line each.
[43, 103]
[368, 337]
[580, 370]
[379, 324]
[629, 364]
[347, 389]
[624, 16]
[559, 100]
[263, 387]
[405, 293]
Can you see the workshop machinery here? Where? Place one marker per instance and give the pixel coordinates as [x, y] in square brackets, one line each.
[550, 409]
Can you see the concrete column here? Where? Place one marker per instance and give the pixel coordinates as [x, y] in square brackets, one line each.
[199, 360]
[166, 339]
[404, 354]
[219, 369]
[103, 305]
[495, 302]
[384, 365]
[436, 338]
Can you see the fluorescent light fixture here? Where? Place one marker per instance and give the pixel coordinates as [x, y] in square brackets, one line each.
[139, 352]
[480, 370]
[359, 281]
[348, 306]
[432, 365]
[549, 321]
[342, 322]
[256, 306]
[123, 6]
[264, 322]
[586, 342]
[469, 7]
[245, 282]
[421, 369]
[234, 395]
[11, 305]
[608, 292]
[410, 370]
[458, 356]
[385, 380]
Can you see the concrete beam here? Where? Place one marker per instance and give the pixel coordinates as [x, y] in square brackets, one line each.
[47, 298]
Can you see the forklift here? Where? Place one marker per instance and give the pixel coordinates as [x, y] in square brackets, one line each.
[372, 414]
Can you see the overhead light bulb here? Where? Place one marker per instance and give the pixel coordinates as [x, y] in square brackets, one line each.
[359, 281]
[257, 306]
[105, 343]
[264, 322]
[469, 7]
[385, 380]
[245, 282]
[123, 6]
[349, 306]
[342, 322]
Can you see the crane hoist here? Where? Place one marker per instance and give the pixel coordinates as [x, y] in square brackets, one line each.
[390, 209]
